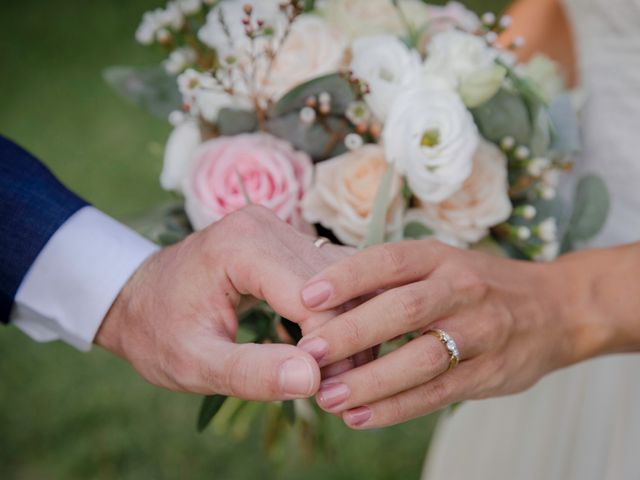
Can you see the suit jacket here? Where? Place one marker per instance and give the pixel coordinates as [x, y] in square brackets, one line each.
[33, 205]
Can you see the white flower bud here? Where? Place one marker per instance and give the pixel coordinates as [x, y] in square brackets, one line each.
[548, 230]
[518, 42]
[523, 233]
[491, 37]
[307, 115]
[548, 252]
[353, 141]
[522, 152]
[163, 35]
[528, 212]
[489, 19]
[547, 193]
[505, 21]
[324, 98]
[507, 143]
[537, 166]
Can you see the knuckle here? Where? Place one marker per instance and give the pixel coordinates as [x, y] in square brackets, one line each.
[439, 391]
[392, 255]
[412, 306]
[352, 333]
[431, 356]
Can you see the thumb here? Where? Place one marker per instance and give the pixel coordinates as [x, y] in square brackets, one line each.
[263, 372]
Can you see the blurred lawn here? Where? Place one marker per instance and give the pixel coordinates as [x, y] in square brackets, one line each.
[66, 415]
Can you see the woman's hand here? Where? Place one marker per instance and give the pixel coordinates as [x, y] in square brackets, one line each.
[513, 322]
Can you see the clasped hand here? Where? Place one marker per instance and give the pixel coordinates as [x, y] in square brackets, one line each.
[175, 321]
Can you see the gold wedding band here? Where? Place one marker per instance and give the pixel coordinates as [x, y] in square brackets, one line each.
[321, 241]
[450, 345]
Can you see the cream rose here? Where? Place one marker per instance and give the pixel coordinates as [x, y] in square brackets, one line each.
[268, 170]
[345, 188]
[359, 18]
[312, 48]
[482, 202]
[456, 55]
[431, 138]
[388, 66]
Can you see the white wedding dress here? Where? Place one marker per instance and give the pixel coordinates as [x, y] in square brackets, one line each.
[582, 423]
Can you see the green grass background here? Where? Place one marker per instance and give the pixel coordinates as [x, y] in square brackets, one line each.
[68, 415]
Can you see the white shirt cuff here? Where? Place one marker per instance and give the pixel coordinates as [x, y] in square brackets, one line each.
[76, 277]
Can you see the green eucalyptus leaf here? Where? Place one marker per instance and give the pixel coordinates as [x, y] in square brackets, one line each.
[541, 136]
[334, 84]
[505, 115]
[309, 5]
[321, 140]
[416, 231]
[591, 207]
[289, 411]
[566, 129]
[211, 405]
[234, 122]
[378, 223]
[166, 239]
[151, 88]
[482, 86]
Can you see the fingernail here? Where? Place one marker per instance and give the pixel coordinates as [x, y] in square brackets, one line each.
[316, 347]
[333, 394]
[357, 417]
[296, 377]
[316, 294]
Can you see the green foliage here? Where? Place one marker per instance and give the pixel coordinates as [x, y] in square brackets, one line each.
[565, 125]
[505, 115]
[334, 84]
[416, 231]
[233, 122]
[210, 406]
[151, 88]
[324, 139]
[377, 226]
[591, 207]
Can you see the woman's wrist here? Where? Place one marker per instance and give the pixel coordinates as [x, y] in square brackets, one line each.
[592, 298]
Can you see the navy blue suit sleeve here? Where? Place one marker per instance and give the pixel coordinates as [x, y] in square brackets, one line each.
[33, 205]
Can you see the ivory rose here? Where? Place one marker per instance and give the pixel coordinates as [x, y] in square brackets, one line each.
[431, 137]
[273, 175]
[482, 202]
[388, 66]
[359, 18]
[312, 48]
[345, 188]
[458, 55]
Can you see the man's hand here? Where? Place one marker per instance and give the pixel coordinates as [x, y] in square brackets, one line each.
[175, 320]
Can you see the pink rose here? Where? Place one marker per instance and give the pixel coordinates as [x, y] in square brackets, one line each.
[274, 175]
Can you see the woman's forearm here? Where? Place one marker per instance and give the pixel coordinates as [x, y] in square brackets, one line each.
[545, 27]
[601, 297]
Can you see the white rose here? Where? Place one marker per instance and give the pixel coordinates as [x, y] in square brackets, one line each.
[431, 138]
[457, 54]
[178, 153]
[312, 48]
[344, 191]
[359, 18]
[482, 202]
[388, 66]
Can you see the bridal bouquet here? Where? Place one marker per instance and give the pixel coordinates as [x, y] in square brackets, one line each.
[365, 121]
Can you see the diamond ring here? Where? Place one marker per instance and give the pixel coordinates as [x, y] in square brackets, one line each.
[321, 241]
[449, 343]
